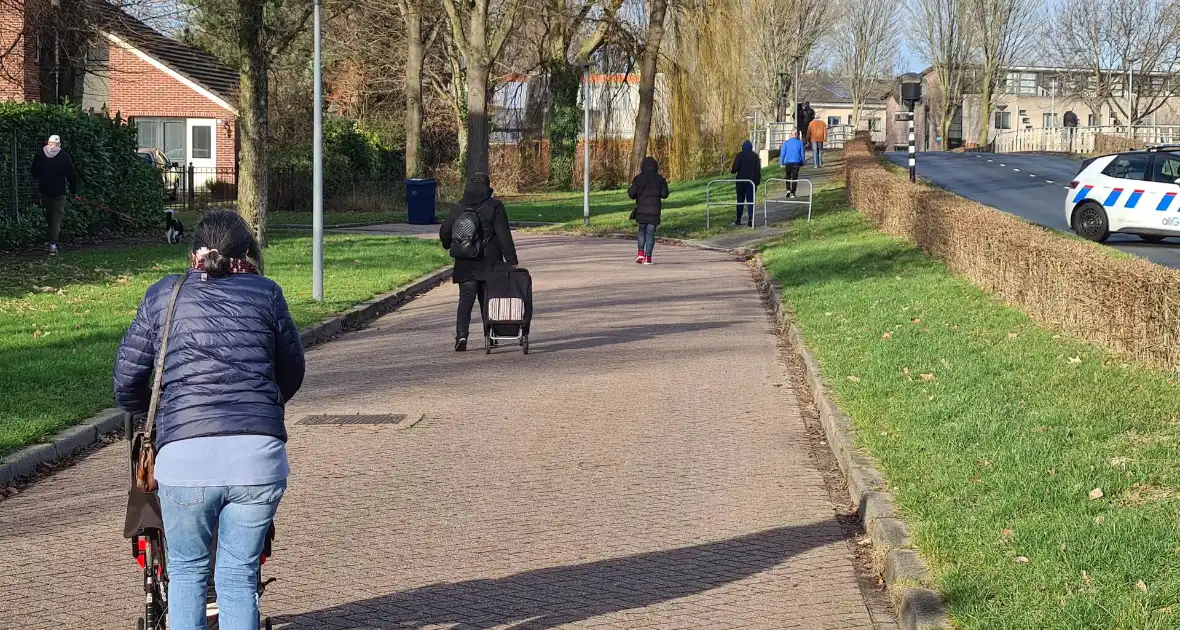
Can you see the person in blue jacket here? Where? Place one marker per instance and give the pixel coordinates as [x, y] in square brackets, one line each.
[234, 359]
[791, 157]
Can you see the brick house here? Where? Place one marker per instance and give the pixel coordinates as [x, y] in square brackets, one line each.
[182, 100]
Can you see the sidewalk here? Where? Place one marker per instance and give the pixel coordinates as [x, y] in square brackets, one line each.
[646, 466]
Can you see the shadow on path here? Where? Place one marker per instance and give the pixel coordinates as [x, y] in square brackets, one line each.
[550, 597]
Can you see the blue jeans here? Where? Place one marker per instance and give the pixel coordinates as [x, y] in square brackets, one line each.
[817, 150]
[241, 516]
[647, 238]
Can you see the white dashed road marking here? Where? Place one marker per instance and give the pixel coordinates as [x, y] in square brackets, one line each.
[1003, 165]
[990, 161]
[1016, 169]
[1049, 181]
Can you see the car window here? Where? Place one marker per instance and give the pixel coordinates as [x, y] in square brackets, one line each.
[147, 158]
[1128, 166]
[1166, 169]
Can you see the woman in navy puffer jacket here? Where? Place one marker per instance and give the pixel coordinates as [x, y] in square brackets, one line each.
[234, 359]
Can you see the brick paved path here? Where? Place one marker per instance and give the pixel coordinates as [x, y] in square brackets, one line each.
[644, 467]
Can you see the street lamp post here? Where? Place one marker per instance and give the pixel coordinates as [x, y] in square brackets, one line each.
[586, 149]
[317, 199]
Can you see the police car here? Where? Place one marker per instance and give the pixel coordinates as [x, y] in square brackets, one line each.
[1128, 193]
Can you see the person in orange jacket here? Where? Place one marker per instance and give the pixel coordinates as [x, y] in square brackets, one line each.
[817, 133]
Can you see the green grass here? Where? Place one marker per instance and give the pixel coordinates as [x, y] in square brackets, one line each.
[61, 319]
[191, 218]
[993, 455]
[683, 213]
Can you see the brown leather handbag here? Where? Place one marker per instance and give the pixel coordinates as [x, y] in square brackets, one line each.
[145, 469]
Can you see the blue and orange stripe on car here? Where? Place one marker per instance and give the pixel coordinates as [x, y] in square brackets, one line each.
[1166, 202]
[1113, 197]
[1133, 200]
[1082, 194]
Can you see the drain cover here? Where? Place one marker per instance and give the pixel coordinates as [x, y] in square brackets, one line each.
[393, 418]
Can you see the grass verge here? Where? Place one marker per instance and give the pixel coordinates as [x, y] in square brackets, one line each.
[62, 319]
[191, 218]
[1038, 472]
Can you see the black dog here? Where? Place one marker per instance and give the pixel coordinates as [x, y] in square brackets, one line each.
[173, 228]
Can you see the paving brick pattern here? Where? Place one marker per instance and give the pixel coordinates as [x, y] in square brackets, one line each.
[645, 467]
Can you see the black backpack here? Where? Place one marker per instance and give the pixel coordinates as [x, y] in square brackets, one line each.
[467, 236]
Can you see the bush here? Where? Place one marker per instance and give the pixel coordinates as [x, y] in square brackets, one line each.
[354, 159]
[110, 173]
[1129, 305]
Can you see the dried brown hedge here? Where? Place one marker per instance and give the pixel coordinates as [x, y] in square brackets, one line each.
[1105, 143]
[1129, 305]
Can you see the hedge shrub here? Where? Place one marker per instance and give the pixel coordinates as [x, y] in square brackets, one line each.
[110, 174]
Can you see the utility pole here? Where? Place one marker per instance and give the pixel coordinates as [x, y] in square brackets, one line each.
[317, 198]
[586, 149]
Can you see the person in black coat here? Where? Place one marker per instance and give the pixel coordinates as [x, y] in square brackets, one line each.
[746, 165]
[55, 174]
[498, 250]
[648, 189]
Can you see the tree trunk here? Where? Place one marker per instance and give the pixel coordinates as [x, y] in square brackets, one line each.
[985, 110]
[415, 55]
[477, 119]
[648, 65]
[564, 122]
[253, 117]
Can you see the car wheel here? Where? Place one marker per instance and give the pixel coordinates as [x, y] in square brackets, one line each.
[1152, 238]
[1090, 222]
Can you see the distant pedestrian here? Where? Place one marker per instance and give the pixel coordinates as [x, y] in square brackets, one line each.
[479, 238]
[791, 157]
[1070, 121]
[746, 165]
[648, 189]
[817, 133]
[233, 359]
[55, 174]
[808, 116]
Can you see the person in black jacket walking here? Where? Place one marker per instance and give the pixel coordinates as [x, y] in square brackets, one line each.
[746, 165]
[55, 174]
[498, 249]
[648, 189]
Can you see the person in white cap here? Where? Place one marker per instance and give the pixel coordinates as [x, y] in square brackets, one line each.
[55, 174]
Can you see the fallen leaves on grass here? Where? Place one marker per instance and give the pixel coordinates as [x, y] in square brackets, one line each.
[926, 378]
[1086, 578]
[1096, 494]
[854, 379]
[1141, 586]
[1075, 360]
[1142, 493]
[1012, 335]
[916, 320]
[1120, 462]
[1020, 560]
[887, 335]
[1005, 533]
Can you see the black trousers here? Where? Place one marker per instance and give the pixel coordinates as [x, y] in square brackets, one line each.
[469, 292]
[792, 173]
[745, 200]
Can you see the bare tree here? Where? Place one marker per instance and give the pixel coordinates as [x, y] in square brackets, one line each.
[784, 35]
[1127, 56]
[479, 35]
[865, 44]
[1005, 33]
[942, 36]
[648, 66]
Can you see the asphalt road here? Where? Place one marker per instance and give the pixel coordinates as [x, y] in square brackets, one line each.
[1029, 186]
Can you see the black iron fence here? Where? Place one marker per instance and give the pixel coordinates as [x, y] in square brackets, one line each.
[196, 188]
[18, 188]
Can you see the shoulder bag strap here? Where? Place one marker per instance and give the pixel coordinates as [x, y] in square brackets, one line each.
[158, 381]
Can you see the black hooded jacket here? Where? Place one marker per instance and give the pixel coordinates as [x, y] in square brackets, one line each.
[648, 189]
[497, 234]
[747, 164]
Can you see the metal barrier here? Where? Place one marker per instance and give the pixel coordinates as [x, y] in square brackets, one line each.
[786, 186]
[753, 202]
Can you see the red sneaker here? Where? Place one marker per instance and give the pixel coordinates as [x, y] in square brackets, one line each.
[647, 260]
[639, 257]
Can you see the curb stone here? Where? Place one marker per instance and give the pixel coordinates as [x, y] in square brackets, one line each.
[28, 460]
[904, 570]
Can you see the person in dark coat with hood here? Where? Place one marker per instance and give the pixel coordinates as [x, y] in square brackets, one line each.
[55, 174]
[648, 189]
[746, 165]
[233, 360]
[498, 250]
